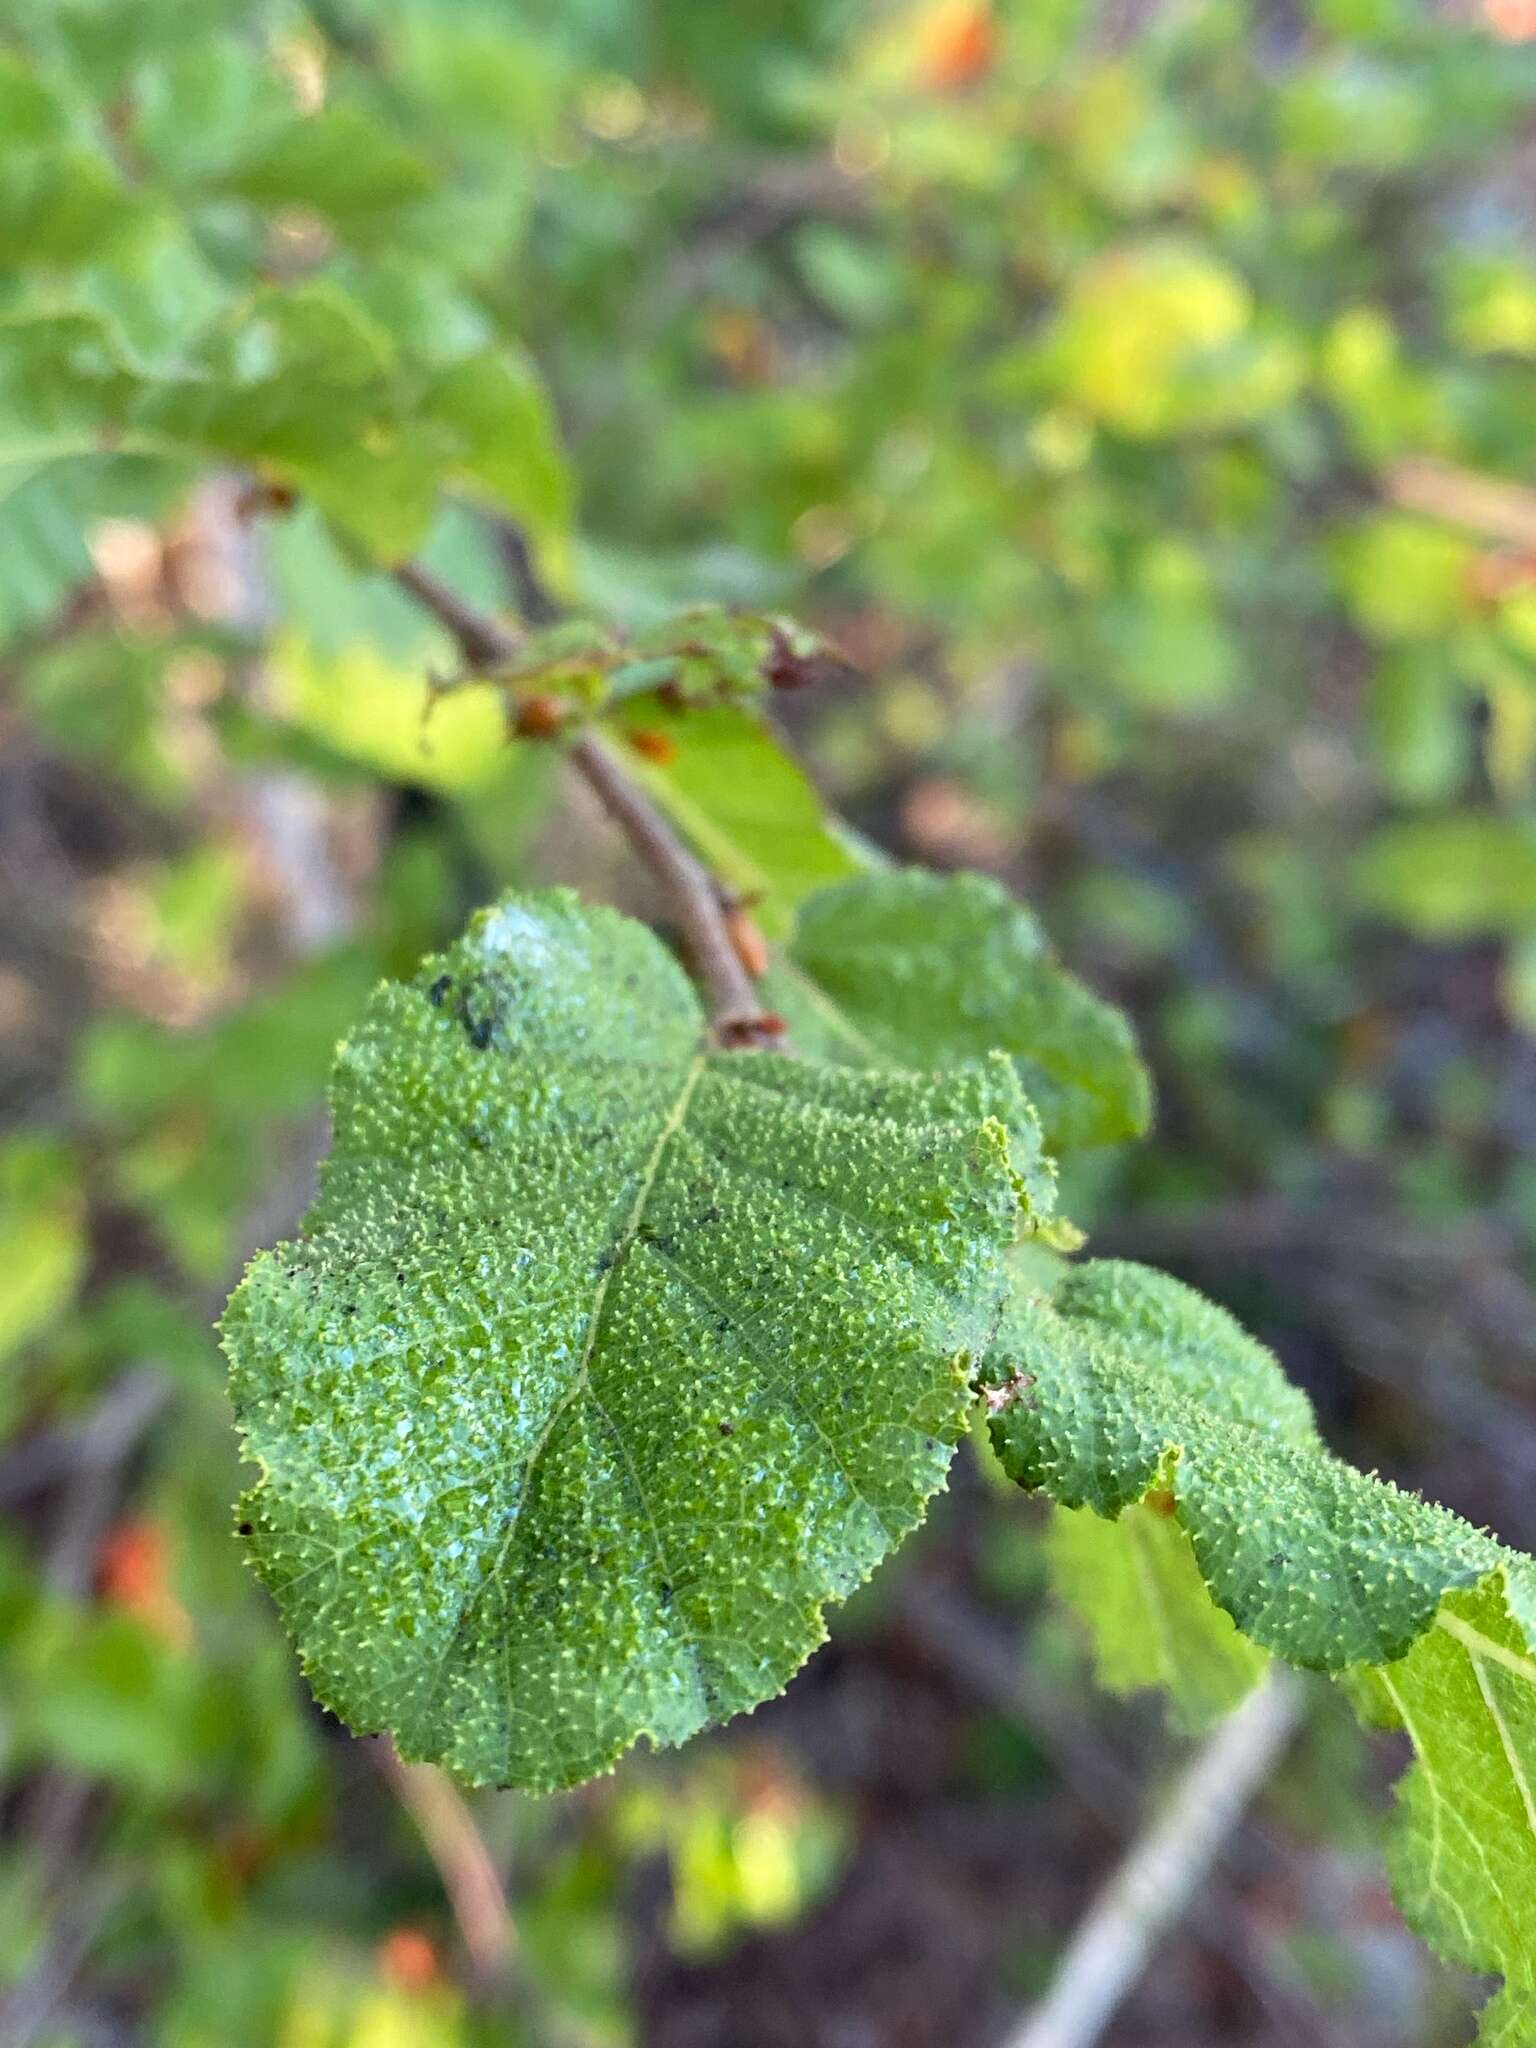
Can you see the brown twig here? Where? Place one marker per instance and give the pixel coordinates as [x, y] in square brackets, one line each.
[535, 600]
[1489, 505]
[1163, 1869]
[737, 1017]
[735, 1012]
[476, 1894]
[470, 1879]
[994, 1671]
[483, 643]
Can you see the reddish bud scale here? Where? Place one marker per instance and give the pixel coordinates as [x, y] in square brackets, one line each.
[747, 938]
[783, 668]
[256, 499]
[539, 717]
[652, 745]
[759, 1030]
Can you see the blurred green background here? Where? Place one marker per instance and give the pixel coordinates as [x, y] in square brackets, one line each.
[1143, 396]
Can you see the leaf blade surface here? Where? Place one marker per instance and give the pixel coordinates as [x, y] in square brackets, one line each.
[1124, 1382]
[607, 1360]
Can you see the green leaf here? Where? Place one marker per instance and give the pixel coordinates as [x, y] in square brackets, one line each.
[1406, 579]
[1153, 1625]
[295, 375]
[62, 377]
[934, 970]
[30, 114]
[196, 108]
[304, 381]
[1463, 1857]
[1460, 875]
[42, 1239]
[43, 551]
[1126, 1382]
[340, 162]
[749, 809]
[59, 378]
[607, 1360]
[382, 715]
[506, 441]
[62, 206]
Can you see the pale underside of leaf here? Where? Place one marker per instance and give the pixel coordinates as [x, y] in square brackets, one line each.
[1125, 1384]
[1151, 1621]
[606, 1361]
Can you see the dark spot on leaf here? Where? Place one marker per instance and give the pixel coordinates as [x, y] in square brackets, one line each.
[247, 1529]
[726, 1428]
[439, 989]
[479, 1031]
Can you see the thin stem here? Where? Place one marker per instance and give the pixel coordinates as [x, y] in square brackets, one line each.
[736, 1015]
[734, 1008]
[1163, 1868]
[483, 643]
[1490, 505]
[464, 1863]
[535, 600]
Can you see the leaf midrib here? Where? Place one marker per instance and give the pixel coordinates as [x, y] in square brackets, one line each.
[583, 1374]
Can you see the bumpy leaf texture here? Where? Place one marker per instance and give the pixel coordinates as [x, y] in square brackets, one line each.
[936, 970]
[1126, 1387]
[606, 1360]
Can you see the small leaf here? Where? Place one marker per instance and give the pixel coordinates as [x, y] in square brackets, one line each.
[607, 1361]
[934, 970]
[1406, 579]
[43, 551]
[30, 113]
[1463, 1856]
[63, 206]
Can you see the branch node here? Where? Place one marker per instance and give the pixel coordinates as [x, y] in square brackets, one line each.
[725, 966]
